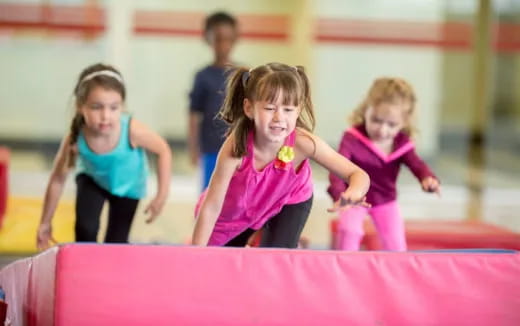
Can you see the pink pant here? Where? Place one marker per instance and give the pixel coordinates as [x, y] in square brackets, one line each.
[387, 220]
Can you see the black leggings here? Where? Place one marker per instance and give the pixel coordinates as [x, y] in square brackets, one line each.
[281, 231]
[89, 202]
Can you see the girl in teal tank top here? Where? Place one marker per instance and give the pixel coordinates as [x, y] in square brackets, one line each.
[109, 149]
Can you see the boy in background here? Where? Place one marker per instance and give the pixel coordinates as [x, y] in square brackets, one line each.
[205, 130]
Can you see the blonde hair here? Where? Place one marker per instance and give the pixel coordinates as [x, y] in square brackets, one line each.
[264, 83]
[388, 90]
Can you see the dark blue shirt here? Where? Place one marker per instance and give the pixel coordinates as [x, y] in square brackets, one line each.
[206, 97]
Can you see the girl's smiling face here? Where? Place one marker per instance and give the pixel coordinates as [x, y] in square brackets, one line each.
[273, 121]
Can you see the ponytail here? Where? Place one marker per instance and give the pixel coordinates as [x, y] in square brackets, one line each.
[232, 111]
[75, 127]
[306, 120]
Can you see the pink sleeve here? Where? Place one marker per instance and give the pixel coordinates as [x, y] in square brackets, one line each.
[417, 165]
[338, 185]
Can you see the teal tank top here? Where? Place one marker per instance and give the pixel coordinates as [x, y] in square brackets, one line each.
[122, 171]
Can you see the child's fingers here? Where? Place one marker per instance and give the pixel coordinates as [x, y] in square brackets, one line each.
[432, 185]
[365, 204]
[349, 202]
[40, 244]
[344, 208]
[438, 190]
[43, 244]
[151, 218]
[332, 209]
[153, 211]
[336, 208]
[53, 241]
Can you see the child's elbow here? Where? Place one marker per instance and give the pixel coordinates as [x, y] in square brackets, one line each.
[59, 177]
[364, 177]
[165, 151]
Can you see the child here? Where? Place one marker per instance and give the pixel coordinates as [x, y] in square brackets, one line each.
[112, 165]
[263, 177]
[379, 143]
[206, 132]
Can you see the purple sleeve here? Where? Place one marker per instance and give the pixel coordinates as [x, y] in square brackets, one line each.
[338, 185]
[417, 166]
[197, 94]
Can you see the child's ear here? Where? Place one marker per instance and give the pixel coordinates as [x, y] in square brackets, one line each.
[248, 108]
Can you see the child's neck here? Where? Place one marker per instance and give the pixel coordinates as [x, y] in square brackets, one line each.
[221, 62]
[268, 147]
[265, 152]
[102, 143]
[386, 146]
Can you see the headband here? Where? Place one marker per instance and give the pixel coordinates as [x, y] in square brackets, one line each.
[109, 73]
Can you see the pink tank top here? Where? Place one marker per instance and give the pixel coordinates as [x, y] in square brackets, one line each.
[253, 197]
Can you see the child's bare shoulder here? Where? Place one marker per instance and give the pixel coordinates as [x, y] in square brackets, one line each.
[226, 152]
[305, 142]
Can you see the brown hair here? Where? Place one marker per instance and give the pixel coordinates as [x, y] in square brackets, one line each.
[264, 83]
[81, 93]
[388, 90]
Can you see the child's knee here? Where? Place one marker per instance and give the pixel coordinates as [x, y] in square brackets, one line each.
[348, 240]
[351, 223]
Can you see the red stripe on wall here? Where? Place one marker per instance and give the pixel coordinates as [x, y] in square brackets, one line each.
[169, 23]
[88, 18]
[507, 38]
[443, 35]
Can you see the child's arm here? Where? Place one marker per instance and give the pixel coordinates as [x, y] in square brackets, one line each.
[198, 96]
[216, 193]
[193, 136]
[142, 136]
[429, 182]
[338, 185]
[53, 193]
[358, 180]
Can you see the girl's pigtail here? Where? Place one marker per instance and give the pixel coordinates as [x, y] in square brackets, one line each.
[232, 111]
[75, 127]
[308, 121]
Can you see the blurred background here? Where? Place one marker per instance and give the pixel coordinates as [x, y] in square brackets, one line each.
[462, 57]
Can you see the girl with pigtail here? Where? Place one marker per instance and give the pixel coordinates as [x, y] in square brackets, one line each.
[107, 147]
[263, 179]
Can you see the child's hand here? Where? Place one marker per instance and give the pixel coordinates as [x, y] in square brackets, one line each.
[44, 238]
[430, 184]
[154, 209]
[348, 199]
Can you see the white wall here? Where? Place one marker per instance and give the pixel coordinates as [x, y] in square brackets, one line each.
[39, 70]
[345, 72]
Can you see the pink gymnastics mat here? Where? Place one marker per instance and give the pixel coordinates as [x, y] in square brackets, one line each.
[91, 284]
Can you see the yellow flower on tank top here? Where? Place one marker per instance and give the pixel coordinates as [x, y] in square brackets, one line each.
[285, 156]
